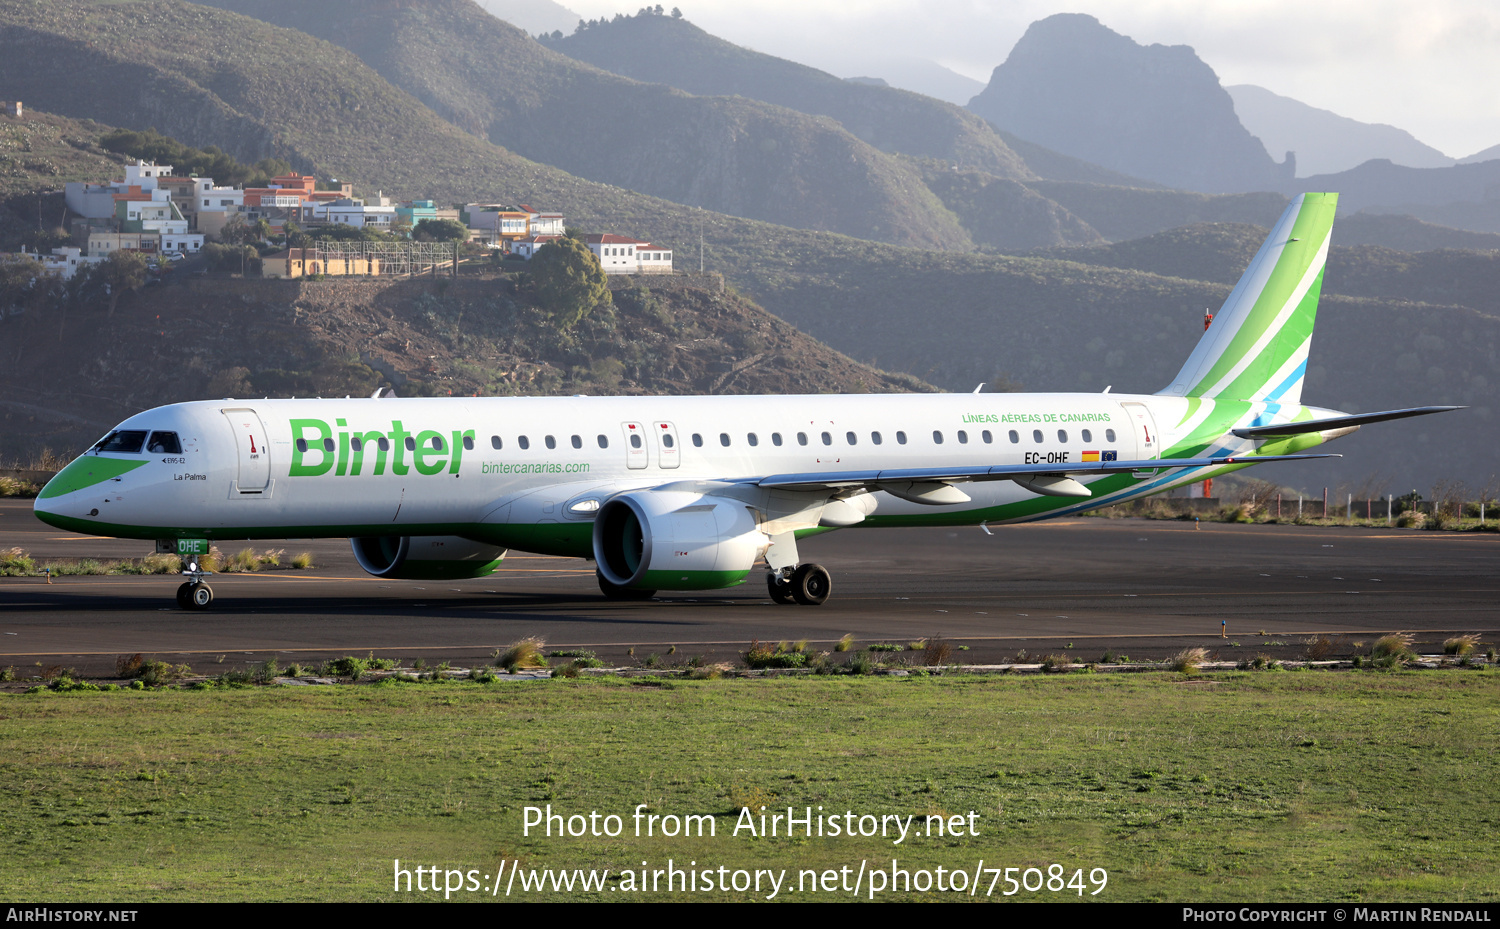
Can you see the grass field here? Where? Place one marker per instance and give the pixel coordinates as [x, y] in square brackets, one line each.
[1289, 786]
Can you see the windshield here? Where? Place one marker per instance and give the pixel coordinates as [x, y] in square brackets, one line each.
[122, 440]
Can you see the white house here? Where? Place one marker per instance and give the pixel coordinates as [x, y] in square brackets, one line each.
[618, 254]
[64, 261]
[527, 247]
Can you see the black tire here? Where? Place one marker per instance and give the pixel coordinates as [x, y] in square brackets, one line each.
[615, 592]
[811, 584]
[781, 590]
[201, 596]
[182, 596]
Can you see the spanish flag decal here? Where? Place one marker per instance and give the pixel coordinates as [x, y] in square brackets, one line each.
[1090, 456]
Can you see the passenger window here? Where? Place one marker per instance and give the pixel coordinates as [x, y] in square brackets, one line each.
[801, 438]
[1109, 435]
[963, 437]
[724, 439]
[750, 437]
[989, 438]
[495, 442]
[697, 440]
[468, 443]
[524, 442]
[437, 444]
[1036, 436]
[851, 438]
[385, 444]
[164, 443]
[1062, 436]
[302, 445]
[667, 441]
[578, 441]
[827, 439]
[1015, 437]
[900, 438]
[551, 442]
[1088, 436]
[603, 441]
[875, 438]
[776, 439]
[635, 440]
[411, 444]
[937, 437]
[358, 444]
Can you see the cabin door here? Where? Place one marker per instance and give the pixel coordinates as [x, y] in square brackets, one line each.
[253, 450]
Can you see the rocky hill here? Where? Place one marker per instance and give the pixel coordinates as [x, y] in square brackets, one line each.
[1156, 111]
[218, 336]
[667, 50]
[730, 155]
[1326, 142]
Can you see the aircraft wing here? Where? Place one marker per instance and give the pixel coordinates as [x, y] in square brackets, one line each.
[1337, 422]
[1049, 479]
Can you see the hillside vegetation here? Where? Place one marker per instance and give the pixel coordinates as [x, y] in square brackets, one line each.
[218, 336]
[732, 155]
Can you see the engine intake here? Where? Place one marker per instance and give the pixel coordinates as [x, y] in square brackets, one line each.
[676, 540]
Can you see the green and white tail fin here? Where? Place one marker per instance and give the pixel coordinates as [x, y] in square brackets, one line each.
[1256, 347]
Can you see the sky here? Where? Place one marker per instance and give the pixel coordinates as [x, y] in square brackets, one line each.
[1431, 68]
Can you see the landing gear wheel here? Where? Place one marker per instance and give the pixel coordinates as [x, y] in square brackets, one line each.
[615, 592]
[200, 596]
[811, 584]
[780, 588]
[183, 593]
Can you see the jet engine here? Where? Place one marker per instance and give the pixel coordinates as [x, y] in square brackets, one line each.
[675, 540]
[425, 557]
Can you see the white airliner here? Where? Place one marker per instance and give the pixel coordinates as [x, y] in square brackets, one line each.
[690, 493]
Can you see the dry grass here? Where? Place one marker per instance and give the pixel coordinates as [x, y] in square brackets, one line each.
[1188, 659]
[1461, 645]
[526, 653]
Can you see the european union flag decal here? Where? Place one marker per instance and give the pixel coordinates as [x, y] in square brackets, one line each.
[1109, 455]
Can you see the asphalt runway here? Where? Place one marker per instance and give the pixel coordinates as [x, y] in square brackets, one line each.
[1145, 588]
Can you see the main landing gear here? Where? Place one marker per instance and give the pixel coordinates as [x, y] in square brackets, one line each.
[807, 584]
[194, 594]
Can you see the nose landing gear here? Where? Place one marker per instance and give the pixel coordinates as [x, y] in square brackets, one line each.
[194, 594]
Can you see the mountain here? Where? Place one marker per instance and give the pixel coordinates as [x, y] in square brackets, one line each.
[1326, 142]
[1409, 234]
[666, 50]
[1489, 154]
[1006, 215]
[1157, 112]
[924, 76]
[1395, 188]
[736, 156]
[534, 16]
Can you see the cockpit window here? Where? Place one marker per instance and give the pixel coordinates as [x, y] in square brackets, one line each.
[122, 440]
[164, 443]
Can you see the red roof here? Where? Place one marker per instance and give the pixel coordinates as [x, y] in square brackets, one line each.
[609, 238]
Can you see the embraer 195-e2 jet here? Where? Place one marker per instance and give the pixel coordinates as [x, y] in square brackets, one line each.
[689, 493]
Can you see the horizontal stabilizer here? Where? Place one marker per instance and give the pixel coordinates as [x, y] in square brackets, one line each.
[1337, 422]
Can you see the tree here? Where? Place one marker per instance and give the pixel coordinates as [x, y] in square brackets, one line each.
[440, 230]
[120, 272]
[569, 281]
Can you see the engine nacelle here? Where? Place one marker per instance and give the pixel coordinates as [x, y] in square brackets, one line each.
[425, 557]
[676, 540]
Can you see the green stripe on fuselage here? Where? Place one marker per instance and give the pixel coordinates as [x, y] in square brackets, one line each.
[86, 471]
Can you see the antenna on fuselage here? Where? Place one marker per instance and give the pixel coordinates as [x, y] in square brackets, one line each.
[980, 387]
